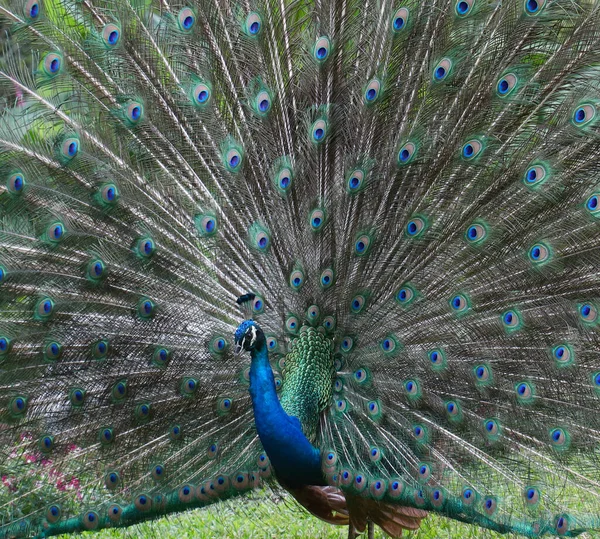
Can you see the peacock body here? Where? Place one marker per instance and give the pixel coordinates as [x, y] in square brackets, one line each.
[402, 197]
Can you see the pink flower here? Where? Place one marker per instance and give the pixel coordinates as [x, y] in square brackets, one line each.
[72, 447]
[46, 462]
[30, 458]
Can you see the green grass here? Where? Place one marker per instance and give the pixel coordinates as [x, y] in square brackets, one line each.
[261, 517]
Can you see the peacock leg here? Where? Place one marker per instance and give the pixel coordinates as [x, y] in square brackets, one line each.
[351, 532]
[371, 529]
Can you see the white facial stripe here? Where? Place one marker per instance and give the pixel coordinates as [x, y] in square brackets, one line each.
[253, 340]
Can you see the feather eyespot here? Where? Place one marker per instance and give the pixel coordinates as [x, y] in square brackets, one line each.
[471, 149]
[483, 374]
[77, 397]
[459, 303]
[524, 392]
[253, 24]
[283, 179]
[91, 520]
[588, 312]
[189, 386]
[592, 205]
[415, 227]
[262, 103]
[539, 253]
[533, 7]
[109, 194]
[327, 278]
[476, 233]
[53, 514]
[419, 433]
[355, 181]
[362, 245]
[531, 496]
[396, 487]
[358, 303]
[347, 344]
[321, 49]
[186, 19]
[506, 84]
[233, 159]
[145, 247]
[52, 64]
[114, 513]
[464, 7]
[372, 91]
[562, 524]
[442, 69]
[5, 346]
[559, 438]
[69, 148]
[15, 183]
[312, 313]
[53, 351]
[329, 323]
[400, 20]
[317, 219]
[412, 389]
[437, 359]
[292, 324]
[112, 480]
[584, 114]
[318, 131]
[490, 505]
[44, 309]
[535, 175]
[406, 153]
[32, 9]
[492, 429]
[111, 35]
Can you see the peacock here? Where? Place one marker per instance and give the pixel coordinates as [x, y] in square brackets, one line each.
[348, 248]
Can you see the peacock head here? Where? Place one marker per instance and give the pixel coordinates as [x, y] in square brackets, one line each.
[248, 336]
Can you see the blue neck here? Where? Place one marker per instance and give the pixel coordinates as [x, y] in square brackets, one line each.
[295, 461]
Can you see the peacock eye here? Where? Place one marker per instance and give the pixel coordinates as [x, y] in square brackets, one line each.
[321, 49]
[358, 303]
[201, 93]
[52, 63]
[592, 205]
[258, 305]
[292, 324]
[313, 313]
[464, 7]
[111, 34]
[539, 253]
[535, 175]
[319, 131]
[476, 233]
[584, 115]
[362, 245]
[400, 19]
[406, 153]
[355, 181]
[415, 227]
[283, 179]
[442, 69]
[16, 183]
[483, 374]
[327, 278]
[69, 148]
[533, 7]
[471, 149]
[588, 312]
[233, 159]
[186, 19]
[524, 392]
[347, 344]
[317, 219]
[206, 224]
[372, 91]
[490, 505]
[31, 9]
[459, 303]
[506, 84]
[109, 194]
[53, 351]
[329, 323]
[253, 24]
[44, 309]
